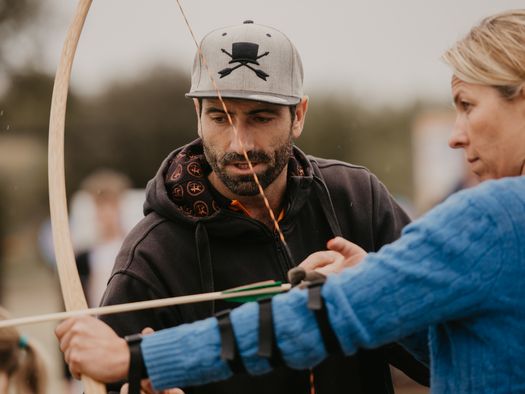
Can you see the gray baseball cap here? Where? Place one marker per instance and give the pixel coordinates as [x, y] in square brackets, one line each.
[248, 61]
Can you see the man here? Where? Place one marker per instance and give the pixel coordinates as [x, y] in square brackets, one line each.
[208, 229]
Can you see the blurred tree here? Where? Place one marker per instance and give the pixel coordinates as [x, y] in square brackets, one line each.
[15, 17]
[2, 245]
[130, 127]
[378, 139]
[25, 105]
[24, 117]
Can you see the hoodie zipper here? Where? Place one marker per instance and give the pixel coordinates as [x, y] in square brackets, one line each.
[283, 257]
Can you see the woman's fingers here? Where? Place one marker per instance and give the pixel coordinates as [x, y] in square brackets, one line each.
[319, 259]
[351, 253]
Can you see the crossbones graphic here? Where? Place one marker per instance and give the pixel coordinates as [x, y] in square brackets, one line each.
[244, 53]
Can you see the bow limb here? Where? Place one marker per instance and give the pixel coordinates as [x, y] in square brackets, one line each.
[72, 292]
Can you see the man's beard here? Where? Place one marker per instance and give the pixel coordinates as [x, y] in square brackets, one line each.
[244, 185]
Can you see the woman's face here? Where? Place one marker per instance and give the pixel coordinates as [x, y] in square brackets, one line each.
[490, 129]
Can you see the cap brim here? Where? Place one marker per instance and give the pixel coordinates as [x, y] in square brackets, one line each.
[264, 97]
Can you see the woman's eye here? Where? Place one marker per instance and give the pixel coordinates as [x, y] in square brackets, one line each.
[465, 105]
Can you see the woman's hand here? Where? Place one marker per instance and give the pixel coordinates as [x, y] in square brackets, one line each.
[341, 254]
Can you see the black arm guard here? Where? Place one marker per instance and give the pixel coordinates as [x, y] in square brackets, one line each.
[267, 342]
[317, 305]
[229, 350]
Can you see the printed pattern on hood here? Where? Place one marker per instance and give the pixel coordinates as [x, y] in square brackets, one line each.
[188, 187]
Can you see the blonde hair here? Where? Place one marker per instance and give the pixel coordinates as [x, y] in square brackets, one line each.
[21, 361]
[492, 53]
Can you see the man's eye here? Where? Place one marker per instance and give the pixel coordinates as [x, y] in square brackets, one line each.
[262, 119]
[219, 119]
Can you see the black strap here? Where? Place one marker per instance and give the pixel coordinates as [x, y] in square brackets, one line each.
[267, 342]
[205, 265]
[326, 201]
[317, 304]
[137, 368]
[229, 350]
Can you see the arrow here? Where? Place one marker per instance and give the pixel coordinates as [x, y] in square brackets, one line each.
[246, 293]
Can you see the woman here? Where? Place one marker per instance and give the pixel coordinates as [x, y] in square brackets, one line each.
[456, 271]
[21, 367]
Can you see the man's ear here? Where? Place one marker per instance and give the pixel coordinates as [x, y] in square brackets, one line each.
[197, 105]
[300, 116]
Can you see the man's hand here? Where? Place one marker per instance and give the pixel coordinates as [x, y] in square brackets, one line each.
[92, 348]
[147, 388]
[341, 254]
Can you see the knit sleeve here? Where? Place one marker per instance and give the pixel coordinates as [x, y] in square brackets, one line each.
[442, 268]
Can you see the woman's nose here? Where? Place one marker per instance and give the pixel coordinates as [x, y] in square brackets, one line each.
[459, 138]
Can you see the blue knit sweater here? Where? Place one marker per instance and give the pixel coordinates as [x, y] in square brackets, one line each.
[458, 272]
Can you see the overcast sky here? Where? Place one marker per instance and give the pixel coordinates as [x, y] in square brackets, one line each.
[384, 51]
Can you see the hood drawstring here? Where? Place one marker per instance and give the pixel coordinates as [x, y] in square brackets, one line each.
[326, 202]
[204, 259]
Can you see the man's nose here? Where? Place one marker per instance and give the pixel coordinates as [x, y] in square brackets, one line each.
[242, 137]
[459, 138]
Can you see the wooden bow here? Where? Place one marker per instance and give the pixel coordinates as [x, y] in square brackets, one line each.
[72, 292]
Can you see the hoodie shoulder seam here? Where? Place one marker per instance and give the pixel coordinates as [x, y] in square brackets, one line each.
[138, 278]
[131, 253]
[327, 163]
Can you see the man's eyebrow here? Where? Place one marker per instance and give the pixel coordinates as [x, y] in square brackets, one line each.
[263, 110]
[211, 110]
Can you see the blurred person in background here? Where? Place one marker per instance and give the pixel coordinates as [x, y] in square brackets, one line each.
[207, 228]
[106, 188]
[22, 369]
[456, 271]
[98, 231]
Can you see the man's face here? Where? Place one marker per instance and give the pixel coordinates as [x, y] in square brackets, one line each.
[266, 132]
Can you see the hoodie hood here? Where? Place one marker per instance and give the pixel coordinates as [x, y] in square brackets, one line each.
[181, 191]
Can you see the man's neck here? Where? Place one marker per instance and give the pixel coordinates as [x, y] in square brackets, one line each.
[254, 204]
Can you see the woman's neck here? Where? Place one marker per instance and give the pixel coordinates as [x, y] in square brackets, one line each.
[4, 383]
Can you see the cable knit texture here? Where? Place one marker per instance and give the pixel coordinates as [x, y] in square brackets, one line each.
[457, 271]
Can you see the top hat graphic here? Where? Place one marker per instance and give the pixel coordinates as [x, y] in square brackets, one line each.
[245, 52]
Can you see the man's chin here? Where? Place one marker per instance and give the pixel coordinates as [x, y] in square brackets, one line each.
[243, 188]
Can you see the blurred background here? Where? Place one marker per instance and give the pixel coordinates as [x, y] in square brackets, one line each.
[379, 97]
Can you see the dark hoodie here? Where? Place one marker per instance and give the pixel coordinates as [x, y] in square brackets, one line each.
[192, 241]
